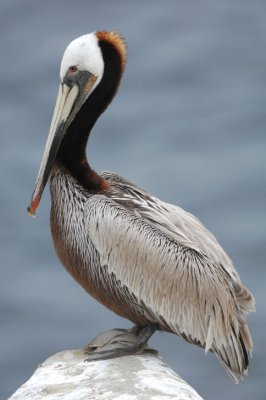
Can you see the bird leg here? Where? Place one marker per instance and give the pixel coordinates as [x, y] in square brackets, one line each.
[120, 342]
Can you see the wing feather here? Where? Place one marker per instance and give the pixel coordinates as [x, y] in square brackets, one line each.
[171, 219]
[174, 268]
[178, 287]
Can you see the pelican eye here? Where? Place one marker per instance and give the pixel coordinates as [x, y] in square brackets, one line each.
[72, 69]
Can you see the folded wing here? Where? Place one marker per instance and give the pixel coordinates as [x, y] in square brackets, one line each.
[179, 284]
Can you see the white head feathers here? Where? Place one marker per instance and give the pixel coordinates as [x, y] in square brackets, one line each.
[84, 53]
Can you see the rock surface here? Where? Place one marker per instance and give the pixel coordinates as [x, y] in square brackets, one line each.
[67, 376]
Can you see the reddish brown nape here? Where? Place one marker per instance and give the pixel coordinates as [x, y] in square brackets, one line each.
[117, 40]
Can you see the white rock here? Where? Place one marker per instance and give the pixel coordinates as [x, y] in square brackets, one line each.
[67, 376]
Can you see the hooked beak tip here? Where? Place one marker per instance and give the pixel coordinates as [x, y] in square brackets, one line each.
[31, 212]
[33, 206]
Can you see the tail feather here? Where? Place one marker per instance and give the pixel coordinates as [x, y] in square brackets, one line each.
[235, 358]
[235, 352]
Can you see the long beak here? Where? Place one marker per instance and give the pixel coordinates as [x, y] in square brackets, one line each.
[68, 103]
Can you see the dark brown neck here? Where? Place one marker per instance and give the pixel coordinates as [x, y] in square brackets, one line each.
[72, 151]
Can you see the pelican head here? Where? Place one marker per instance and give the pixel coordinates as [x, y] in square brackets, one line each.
[82, 69]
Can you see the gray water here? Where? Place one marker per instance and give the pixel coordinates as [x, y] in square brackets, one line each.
[188, 124]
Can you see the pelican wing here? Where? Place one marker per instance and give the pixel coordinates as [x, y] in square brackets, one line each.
[173, 220]
[176, 285]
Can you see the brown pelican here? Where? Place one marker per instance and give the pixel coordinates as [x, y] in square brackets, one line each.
[148, 261]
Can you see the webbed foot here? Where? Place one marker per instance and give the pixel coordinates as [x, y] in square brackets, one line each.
[119, 343]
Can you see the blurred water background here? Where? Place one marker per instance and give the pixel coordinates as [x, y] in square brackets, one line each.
[188, 124]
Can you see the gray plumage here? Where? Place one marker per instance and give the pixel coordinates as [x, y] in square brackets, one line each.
[152, 262]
